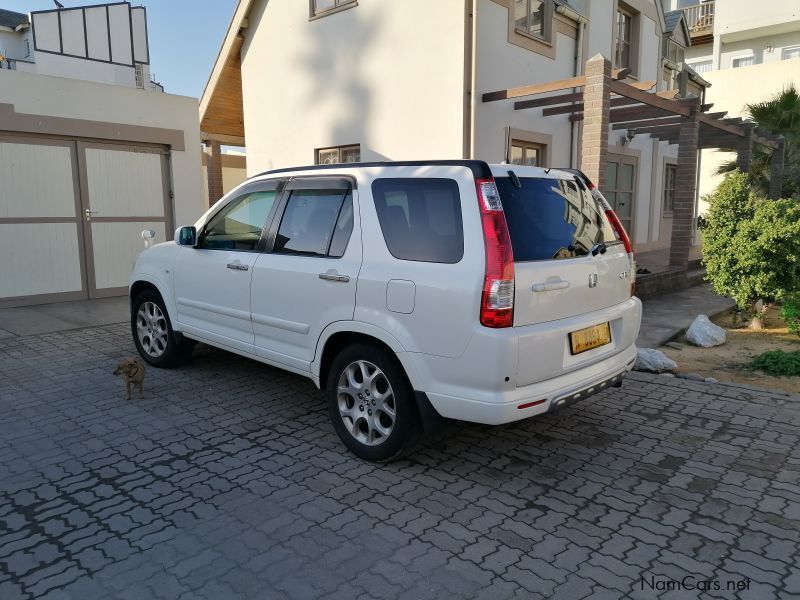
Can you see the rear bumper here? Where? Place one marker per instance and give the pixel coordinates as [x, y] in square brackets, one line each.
[503, 368]
[556, 392]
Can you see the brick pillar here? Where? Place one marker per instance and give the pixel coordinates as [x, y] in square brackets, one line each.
[776, 170]
[597, 105]
[685, 190]
[744, 149]
[214, 171]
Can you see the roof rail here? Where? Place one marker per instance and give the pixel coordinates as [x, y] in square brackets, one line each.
[480, 169]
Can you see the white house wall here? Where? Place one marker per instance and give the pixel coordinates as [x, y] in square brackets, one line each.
[501, 65]
[386, 75]
[59, 65]
[55, 96]
[728, 94]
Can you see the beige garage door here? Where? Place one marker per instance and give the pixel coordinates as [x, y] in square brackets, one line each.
[123, 193]
[71, 216]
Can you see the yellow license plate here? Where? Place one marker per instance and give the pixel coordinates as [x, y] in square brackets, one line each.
[591, 337]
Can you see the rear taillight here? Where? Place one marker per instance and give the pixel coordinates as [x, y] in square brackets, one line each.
[497, 300]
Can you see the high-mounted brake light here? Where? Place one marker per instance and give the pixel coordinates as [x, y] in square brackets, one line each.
[497, 299]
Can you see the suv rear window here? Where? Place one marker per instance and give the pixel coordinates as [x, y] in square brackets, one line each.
[420, 218]
[552, 218]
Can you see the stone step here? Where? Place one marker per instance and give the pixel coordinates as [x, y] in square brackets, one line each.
[695, 277]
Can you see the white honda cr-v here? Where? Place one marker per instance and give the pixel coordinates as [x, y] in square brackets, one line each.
[410, 292]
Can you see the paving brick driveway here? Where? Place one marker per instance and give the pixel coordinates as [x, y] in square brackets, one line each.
[227, 481]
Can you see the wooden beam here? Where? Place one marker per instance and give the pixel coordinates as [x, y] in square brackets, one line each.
[642, 85]
[530, 90]
[732, 120]
[549, 101]
[729, 128]
[636, 113]
[657, 130]
[578, 107]
[764, 141]
[669, 94]
[717, 115]
[620, 73]
[659, 122]
[623, 89]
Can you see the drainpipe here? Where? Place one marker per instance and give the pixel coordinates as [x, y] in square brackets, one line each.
[582, 22]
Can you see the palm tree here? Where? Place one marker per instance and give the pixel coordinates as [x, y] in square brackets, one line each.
[780, 115]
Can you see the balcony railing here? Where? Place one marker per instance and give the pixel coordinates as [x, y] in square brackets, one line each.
[700, 18]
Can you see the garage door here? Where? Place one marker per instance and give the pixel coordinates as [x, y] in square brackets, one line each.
[71, 215]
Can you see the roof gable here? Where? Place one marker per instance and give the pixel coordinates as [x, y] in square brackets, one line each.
[12, 20]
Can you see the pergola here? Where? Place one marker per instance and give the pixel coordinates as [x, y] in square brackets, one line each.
[607, 101]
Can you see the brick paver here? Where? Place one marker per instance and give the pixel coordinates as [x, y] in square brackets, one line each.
[227, 481]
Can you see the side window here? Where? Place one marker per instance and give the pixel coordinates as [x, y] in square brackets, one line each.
[316, 223]
[238, 226]
[420, 218]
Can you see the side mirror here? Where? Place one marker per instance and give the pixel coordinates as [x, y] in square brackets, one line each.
[148, 235]
[186, 236]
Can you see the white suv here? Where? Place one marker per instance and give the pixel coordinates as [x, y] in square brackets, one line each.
[409, 291]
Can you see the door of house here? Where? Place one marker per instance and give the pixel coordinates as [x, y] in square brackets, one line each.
[620, 188]
[124, 190]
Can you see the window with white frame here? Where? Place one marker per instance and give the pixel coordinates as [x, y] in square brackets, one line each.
[790, 52]
[743, 61]
[338, 155]
[533, 17]
[320, 7]
[701, 66]
[623, 51]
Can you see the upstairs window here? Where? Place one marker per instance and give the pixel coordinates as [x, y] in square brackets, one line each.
[673, 51]
[323, 7]
[533, 17]
[793, 52]
[527, 154]
[743, 61]
[338, 155]
[624, 35]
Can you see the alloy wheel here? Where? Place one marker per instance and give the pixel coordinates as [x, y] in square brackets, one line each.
[366, 402]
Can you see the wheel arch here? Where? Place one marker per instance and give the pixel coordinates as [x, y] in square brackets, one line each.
[341, 334]
[142, 283]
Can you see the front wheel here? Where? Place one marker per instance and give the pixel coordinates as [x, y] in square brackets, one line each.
[371, 403]
[152, 332]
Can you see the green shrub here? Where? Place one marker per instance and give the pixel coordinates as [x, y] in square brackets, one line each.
[790, 313]
[778, 363]
[751, 245]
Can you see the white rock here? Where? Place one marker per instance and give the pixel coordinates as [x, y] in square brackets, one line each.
[711, 380]
[702, 332]
[653, 361]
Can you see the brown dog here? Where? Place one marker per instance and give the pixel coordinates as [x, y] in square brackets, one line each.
[132, 372]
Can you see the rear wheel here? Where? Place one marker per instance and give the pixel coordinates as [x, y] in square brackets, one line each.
[152, 332]
[371, 403]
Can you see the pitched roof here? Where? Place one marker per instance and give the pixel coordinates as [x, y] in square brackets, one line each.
[671, 19]
[12, 19]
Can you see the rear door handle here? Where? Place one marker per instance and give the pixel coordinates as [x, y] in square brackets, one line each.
[238, 267]
[550, 285]
[334, 276]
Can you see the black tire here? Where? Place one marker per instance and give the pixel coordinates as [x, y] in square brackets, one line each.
[176, 349]
[405, 429]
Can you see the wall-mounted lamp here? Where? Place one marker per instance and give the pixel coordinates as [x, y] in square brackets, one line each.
[627, 138]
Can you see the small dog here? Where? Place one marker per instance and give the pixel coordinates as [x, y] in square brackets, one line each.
[132, 372]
